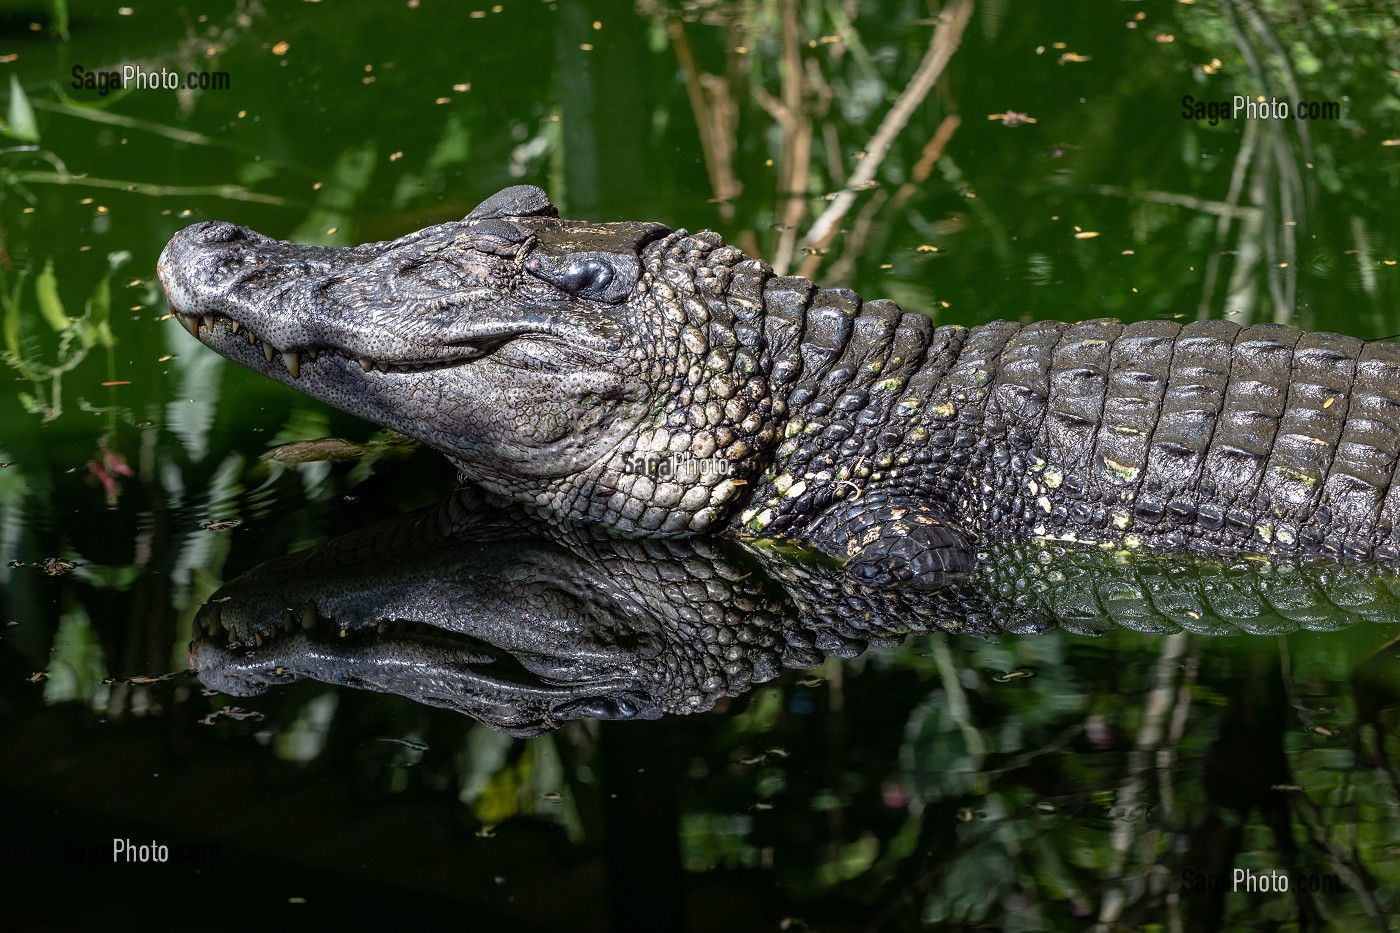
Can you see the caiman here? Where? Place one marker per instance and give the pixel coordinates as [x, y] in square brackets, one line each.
[664, 383]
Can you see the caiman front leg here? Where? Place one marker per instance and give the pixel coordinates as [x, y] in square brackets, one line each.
[887, 538]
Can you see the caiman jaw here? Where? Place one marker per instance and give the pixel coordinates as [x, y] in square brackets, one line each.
[206, 327]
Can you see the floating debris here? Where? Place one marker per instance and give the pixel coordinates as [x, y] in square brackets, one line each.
[1012, 118]
[230, 712]
[53, 566]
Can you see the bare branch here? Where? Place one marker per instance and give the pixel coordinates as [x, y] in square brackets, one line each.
[947, 35]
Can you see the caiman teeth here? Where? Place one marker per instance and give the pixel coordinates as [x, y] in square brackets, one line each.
[294, 359]
[308, 621]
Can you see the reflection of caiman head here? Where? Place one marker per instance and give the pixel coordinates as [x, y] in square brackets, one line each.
[490, 615]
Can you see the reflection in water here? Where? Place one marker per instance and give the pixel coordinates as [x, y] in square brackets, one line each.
[524, 626]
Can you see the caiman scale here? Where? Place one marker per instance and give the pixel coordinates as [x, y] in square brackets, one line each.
[558, 363]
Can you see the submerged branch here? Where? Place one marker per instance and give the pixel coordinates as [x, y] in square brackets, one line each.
[1152, 736]
[1222, 208]
[131, 123]
[865, 220]
[1243, 159]
[789, 112]
[227, 192]
[944, 42]
[715, 119]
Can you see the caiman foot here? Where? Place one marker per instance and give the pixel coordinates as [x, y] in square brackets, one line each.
[892, 540]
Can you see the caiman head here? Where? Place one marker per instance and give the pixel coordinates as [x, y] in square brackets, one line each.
[558, 363]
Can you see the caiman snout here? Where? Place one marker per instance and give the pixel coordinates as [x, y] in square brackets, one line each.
[204, 269]
[197, 263]
[196, 242]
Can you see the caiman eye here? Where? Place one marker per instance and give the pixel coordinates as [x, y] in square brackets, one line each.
[620, 707]
[588, 277]
[598, 277]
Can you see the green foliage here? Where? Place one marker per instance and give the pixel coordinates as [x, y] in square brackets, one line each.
[19, 120]
[46, 294]
[58, 9]
[329, 222]
[78, 666]
[77, 336]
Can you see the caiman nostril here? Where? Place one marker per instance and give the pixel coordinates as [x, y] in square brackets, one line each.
[216, 231]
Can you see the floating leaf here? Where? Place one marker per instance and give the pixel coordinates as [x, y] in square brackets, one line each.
[325, 449]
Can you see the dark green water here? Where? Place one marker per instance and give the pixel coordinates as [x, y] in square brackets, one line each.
[910, 785]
